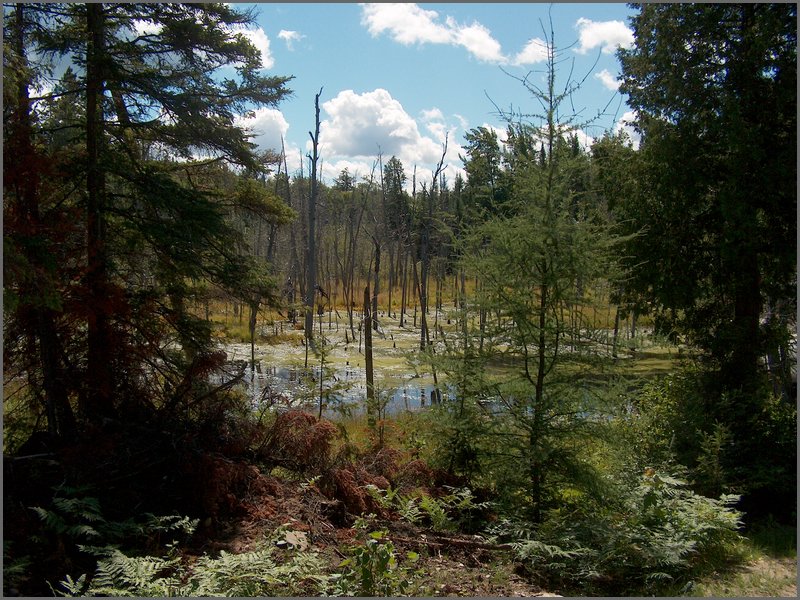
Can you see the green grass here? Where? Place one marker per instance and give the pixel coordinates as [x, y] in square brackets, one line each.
[769, 569]
[774, 539]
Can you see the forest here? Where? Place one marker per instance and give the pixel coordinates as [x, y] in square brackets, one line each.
[571, 371]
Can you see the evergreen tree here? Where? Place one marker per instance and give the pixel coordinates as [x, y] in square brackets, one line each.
[142, 102]
[530, 261]
[714, 87]
[715, 91]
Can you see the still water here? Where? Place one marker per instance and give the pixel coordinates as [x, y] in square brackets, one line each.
[343, 389]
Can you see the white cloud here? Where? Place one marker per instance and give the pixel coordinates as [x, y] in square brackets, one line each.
[290, 37]
[535, 51]
[584, 139]
[439, 130]
[409, 24]
[478, 41]
[266, 125]
[608, 80]
[432, 115]
[359, 169]
[625, 124]
[146, 27]
[259, 39]
[607, 35]
[360, 124]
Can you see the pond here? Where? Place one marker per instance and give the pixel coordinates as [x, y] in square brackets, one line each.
[343, 388]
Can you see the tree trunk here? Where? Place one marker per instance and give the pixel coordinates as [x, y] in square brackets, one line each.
[404, 291]
[21, 155]
[377, 282]
[391, 277]
[252, 328]
[98, 400]
[371, 416]
[311, 243]
[536, 465]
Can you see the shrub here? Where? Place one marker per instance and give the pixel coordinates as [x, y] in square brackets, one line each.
[300, 442]
[454, 511]
[657, 535]
[372, 569]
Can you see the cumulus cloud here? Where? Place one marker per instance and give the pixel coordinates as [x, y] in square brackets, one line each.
[360, 124]
[607, 35]
[146, 27]
[432, 114]
[608, 80]
[266, 125]
[625, 123]
[584, 139]
[260, 40]
[535, 51]
[406, 23]
[290, 37]
[477, 40]
[359, 170]
[409, 24]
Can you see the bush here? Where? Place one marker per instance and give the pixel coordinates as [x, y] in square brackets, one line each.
[300, 442]
[372, 569]
[732, 442]
[655, 537]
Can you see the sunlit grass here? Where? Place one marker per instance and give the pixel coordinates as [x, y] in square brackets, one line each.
[769, 567]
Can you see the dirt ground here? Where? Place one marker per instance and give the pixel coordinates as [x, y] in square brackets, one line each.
[452, 564]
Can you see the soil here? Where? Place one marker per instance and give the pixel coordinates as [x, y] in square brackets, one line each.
[453, 564]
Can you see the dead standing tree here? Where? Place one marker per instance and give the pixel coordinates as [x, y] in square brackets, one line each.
[425, 250]
[311, 245]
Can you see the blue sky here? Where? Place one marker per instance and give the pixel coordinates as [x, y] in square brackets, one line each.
[398, 77]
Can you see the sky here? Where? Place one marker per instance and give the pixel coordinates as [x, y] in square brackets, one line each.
[397, 78]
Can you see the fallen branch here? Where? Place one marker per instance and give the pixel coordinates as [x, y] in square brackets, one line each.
[458, 543]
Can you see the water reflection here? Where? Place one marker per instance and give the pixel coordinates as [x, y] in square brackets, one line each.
[343, 389]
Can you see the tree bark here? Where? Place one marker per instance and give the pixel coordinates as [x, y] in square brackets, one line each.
[371, 417]
[311, 242]
[98, 400]
[377, 283]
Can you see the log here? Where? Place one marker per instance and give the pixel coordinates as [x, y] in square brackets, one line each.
[458, 543]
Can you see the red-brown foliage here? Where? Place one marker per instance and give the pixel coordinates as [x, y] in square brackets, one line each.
[349, 485]
[353, 496]
[300, 442]
[414, 474]
[218, 485]
[384, 462]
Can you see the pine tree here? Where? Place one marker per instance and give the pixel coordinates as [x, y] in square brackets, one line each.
[149, 121]
[714, 87]
[532, 260]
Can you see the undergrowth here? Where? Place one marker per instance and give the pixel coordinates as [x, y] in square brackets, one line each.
[657, 537]
[372, 568]
[256, 573]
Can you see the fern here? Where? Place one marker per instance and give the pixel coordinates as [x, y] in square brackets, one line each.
[245, 575]
[409, 510]
[120, 575]
[435, 510]
[658, 533]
